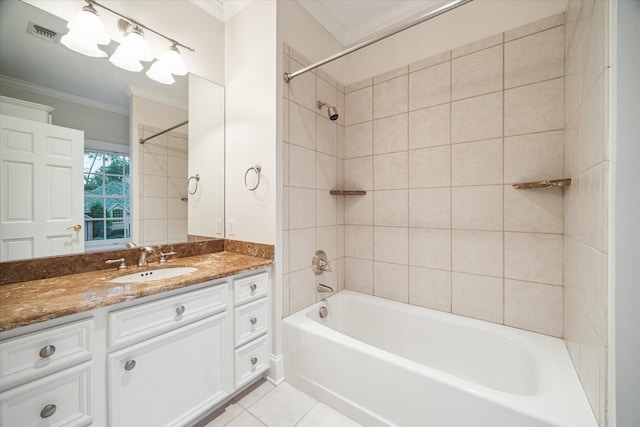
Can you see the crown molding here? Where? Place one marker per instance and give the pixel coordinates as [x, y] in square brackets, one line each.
[212, 7]
[320, 13]
[43, 90]
[402, 11]
[222, 10]
[133, 90]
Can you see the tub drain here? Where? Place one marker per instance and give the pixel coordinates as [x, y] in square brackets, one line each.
[323, 312]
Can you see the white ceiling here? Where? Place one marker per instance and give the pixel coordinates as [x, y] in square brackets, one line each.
[221, 9]
[353, 20]
[348, 20]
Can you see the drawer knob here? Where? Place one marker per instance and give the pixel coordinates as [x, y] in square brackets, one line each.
[129, 365]
[253, 320]
[254, 360]
[48, 410]
[180, 310]
[47, 351]
[253, 287]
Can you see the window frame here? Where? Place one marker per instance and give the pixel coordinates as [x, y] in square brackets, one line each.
[119, 150]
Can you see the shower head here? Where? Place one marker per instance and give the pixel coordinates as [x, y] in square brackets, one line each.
[331, 111]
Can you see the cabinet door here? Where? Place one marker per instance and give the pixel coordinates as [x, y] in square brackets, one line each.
[171, 379]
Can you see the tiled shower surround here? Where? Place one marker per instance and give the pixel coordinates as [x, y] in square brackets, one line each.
[586, 162]
[163, 176]
[312, 166]
[437, 145]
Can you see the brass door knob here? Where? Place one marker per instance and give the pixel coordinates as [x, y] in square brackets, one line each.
[76, 227]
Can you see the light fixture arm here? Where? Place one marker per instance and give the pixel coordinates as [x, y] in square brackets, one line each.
[134, 22]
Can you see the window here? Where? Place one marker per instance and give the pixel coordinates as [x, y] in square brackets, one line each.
[117, 215]
[107, 199]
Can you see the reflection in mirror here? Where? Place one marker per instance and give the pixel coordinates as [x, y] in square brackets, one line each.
[132, 192]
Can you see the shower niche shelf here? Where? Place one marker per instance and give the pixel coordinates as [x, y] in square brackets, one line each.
[347, 192]
[542, 184]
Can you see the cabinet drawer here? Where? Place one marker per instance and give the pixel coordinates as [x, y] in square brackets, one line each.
[149, 319]
[251, 321]
[252, 360]
[37, 354]
[59, 399]
[250, 288]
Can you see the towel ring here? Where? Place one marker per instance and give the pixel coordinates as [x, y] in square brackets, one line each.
[257, 169]
[195, 190]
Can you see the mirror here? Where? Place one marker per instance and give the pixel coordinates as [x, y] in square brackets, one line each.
[112, 107]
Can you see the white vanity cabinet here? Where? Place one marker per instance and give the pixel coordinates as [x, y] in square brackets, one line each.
[46, 377]
[164, 360]
[177, 376]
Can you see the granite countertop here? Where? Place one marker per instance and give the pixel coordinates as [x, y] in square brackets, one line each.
[25, 303]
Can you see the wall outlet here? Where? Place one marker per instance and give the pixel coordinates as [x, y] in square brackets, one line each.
[232, 227]
[218, 226]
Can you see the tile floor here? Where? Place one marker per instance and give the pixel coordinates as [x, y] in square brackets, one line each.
[264, 404]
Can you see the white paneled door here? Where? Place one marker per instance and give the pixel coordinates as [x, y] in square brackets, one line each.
[41, 190]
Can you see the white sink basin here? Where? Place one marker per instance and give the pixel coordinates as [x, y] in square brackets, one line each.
[151, 275]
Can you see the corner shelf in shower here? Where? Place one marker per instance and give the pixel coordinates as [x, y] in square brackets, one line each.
[541, 184]
[347, 192]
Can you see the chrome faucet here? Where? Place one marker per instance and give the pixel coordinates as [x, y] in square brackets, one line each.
[144, 251]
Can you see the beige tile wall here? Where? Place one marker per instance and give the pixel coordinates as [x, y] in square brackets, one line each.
[586, 161]
[163, 177]
[312, 166]
[436, 144]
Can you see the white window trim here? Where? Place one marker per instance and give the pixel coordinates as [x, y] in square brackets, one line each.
[107, 147]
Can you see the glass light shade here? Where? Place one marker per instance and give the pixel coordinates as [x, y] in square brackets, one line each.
[132, 50]
[172, 61]
[86, 32]
[81, 44]
[87, 23]
[160, 73]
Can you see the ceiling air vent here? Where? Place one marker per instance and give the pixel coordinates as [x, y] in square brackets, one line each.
[42, 32]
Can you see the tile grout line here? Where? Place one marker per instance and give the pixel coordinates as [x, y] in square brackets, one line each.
[450, 182]
[503, 186]
[408, 217]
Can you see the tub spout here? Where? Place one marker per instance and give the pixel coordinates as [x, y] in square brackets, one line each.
[324, 288]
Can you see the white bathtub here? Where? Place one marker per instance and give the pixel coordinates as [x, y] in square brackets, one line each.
[382, 363]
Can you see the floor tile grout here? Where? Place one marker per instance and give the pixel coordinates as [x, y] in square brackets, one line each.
[242, 409]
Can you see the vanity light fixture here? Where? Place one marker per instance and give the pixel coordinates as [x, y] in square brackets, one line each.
[133, 49]
[87, 31]
[169, 63]
[160, 73]
[172, 60]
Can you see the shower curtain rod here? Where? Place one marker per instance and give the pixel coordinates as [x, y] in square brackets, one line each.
[432, 14]
[142, 141]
